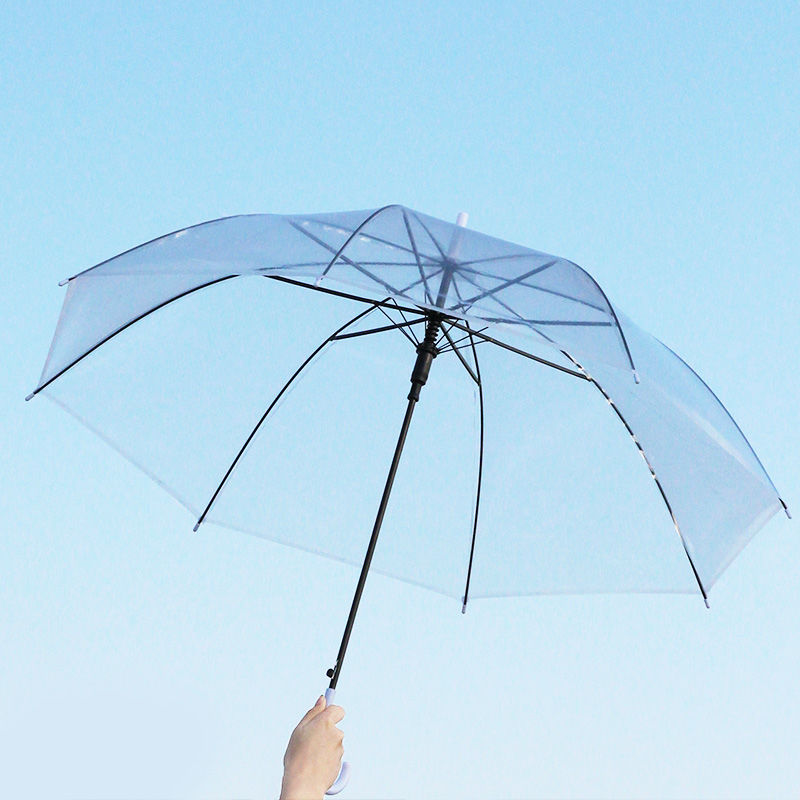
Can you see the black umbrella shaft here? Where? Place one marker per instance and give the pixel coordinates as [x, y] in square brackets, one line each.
[426, 352]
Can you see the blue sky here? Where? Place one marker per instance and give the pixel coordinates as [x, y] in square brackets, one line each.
[654, 144]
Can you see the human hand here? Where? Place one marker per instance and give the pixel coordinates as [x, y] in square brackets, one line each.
[313, 755]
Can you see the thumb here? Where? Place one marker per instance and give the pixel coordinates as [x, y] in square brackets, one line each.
[317, 708]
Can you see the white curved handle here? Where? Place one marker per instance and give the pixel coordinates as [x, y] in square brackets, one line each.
[343, 778]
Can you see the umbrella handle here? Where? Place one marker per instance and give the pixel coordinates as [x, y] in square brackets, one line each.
[343, 778]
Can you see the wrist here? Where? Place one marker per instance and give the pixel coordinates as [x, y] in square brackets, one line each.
[293, 789]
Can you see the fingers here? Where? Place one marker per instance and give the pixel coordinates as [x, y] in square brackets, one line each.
[334, 714]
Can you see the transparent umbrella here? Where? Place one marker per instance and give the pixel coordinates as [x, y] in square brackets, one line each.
[541, 393]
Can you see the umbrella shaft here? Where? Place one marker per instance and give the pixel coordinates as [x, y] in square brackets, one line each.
[426, 352]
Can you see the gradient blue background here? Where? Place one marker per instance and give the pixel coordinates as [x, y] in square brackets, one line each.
[656, 144]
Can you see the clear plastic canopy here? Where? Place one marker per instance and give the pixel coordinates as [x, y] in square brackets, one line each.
[568, 502]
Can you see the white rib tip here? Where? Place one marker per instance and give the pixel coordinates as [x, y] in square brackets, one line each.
[64, 282]
[30, 396]
[786, 510]
[463, 605]
[461, 219]
[196, 526]
[636, 377]
[705, 600]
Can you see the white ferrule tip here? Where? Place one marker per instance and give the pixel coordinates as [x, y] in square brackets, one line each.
[461, 219]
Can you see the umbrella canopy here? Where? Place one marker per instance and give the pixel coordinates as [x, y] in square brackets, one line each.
[262, 404]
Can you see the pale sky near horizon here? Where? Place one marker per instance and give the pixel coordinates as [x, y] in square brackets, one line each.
[654, 144]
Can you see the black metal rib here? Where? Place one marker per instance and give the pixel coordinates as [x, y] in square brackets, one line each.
[653, 475]
[378, 330]
[394, 304]
[123, 327]
[516, 350]
[408, 333]
[159, 238]
[442, 336]
[463, 338]
[461, 358]
[480, 479]
[359, 298]
[463, 346]
[272, 405]
[406, 320]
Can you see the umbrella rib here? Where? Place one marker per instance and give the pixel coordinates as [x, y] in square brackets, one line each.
[428, 295]
[123, 327]
[347, 241]
[523, 353]
[442, 335]
[396, 326]
[409, 334]
[562, 295]
[616, 319]
[507, 283]
[336, 293]
[735, 423]
[543, 335]
[480, 479]
[463, 346]
[572, 322]
[509, 309]
[272, 405]
[411, 330]
[462, 268]
[454, 344]
[653, 475]
[157, 239]
[418, 282]
[475, 377]
[430, 235]
[504, 258]
[324, 263]
[379, 239]
[338, 254]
